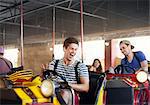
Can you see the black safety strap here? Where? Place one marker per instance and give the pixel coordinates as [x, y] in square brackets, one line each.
[56, 63]
[76, 70]
[55, 67]
[59, 97]
[57, 90]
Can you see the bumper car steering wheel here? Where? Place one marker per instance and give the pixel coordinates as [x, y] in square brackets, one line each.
[120, 69]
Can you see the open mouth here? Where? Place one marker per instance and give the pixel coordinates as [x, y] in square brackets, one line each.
[72, 55]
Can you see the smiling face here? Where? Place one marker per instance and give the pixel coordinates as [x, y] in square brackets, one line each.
[96, 63]
[70, 51]
[125, 49]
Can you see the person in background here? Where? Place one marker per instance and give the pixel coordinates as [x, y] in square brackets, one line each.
[5, 64]
[96, 66]
[66, 68]
[135, 60]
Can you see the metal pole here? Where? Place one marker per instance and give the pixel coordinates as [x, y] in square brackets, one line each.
[22, 54]
[53, 33]
[84, 13]
[27, 25]
[81, 28]
[63, 36]
[4, 36]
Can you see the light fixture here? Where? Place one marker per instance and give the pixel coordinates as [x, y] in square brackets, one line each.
[142, 76]
[106, 43]
[51, 49]
[47, 88]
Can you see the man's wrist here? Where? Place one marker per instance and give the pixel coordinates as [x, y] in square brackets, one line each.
[145, 69]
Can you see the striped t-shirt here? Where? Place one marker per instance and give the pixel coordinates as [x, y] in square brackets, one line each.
[68, 71]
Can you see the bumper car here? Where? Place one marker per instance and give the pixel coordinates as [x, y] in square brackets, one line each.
[96, 81]
[23, 88]
[60, 91]
[124, 89]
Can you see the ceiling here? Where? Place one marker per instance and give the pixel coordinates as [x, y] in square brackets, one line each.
[40, 20]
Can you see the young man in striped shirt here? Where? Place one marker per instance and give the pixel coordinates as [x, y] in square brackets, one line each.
[66, 68]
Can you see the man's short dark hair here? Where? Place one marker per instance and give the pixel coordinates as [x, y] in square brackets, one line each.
[69, 41]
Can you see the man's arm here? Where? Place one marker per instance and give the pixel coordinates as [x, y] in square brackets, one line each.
[83, 86]
[144, 65]
[142, 59]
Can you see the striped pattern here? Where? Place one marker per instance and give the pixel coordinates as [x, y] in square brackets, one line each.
[21, 75]
[68, 71]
